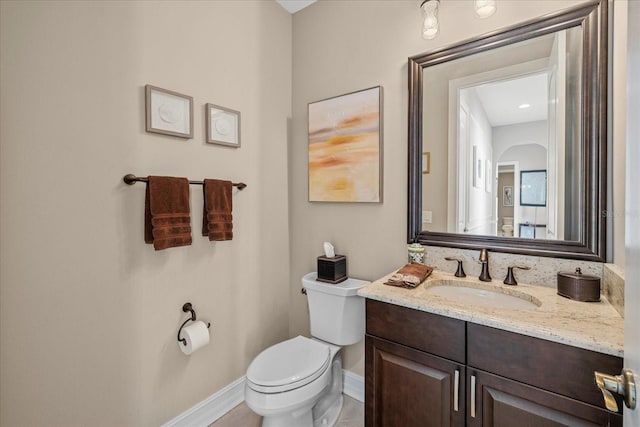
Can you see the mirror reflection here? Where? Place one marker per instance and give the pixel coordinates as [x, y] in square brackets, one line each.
[501, 141]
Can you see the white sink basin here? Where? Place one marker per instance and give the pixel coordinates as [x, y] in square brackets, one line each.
[483, 295]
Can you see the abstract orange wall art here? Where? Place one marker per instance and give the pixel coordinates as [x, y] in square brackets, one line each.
[345, 148]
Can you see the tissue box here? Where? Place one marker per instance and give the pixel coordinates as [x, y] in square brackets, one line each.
[332, 270]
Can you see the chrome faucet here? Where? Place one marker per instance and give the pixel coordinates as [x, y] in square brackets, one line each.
[484, 260]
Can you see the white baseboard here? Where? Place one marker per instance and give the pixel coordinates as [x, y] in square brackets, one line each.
[353, 385]
[221, 402]
[212, 408]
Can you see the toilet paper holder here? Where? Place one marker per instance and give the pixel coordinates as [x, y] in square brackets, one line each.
[187, 307]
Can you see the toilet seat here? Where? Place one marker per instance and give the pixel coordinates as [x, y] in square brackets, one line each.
[288, 365]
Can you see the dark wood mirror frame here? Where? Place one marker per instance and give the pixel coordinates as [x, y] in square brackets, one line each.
[593, 17]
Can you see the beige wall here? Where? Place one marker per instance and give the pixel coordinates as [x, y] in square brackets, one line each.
[89, 313]
[344, 46]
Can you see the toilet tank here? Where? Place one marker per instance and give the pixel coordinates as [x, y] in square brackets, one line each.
[336, 312]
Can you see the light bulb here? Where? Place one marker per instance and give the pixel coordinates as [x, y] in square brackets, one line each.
[430, 26]
[485, 8]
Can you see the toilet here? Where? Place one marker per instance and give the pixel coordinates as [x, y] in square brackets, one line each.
[507, 226]
[298, 382]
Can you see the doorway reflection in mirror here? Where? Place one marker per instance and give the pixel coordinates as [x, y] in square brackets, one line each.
[505, 111]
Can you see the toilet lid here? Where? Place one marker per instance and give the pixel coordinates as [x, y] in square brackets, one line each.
[289, 364]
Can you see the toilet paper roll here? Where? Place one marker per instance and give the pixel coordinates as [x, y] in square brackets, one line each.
[197, 336]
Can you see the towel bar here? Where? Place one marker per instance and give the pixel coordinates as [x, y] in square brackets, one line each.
[132, 179]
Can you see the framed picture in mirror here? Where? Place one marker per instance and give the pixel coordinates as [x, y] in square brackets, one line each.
[507, 196]
[488, 177]
[426, 162]
[533, 188]
[477, 168]
[527, 231]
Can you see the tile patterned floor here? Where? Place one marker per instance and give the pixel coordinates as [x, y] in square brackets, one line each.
[352, 415]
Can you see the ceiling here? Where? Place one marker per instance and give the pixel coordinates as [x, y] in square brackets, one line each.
[501, 100]
[292, 6]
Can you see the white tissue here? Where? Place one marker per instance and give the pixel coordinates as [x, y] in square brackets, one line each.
[329, 252]
[197, 336]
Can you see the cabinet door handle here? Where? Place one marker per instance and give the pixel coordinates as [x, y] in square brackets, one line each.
[473, 396]
[456, 390]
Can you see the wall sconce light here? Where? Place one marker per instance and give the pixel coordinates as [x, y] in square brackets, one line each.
[430, 13]
[430, 25]
[485, 8]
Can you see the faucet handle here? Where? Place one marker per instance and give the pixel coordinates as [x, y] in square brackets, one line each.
[460, 271]
[511, 279]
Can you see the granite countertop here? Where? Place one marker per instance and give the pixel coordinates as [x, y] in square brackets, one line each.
[593, 326]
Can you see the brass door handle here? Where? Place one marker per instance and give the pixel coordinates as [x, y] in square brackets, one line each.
[624, 385]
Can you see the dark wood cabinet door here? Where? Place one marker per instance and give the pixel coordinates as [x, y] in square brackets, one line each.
[406, 387]
[500, 402]
[551, 366]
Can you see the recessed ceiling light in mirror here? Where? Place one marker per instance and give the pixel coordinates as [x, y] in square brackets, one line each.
[523, 106]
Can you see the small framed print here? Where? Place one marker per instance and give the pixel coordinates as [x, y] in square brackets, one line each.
[478, 177]
[533, 188]
[527, 231]
[168, 112]
[488, 176]
[223, 126]
[507, 195]
[426, 162]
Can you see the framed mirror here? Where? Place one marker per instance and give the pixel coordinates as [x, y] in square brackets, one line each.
[513, 125]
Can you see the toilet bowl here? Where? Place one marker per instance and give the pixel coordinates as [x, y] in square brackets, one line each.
[507, 227]
[287, 380]
[298, 382]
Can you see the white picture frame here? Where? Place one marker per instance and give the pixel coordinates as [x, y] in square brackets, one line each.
[507, 195]
[533, 187]
[488, 176]
[478, 176]
[426, 162]
[223, 126]
[168, 112]
[474, 166]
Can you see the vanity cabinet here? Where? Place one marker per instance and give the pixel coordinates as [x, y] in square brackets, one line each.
[423, 369]
[498, 401]
[413, 388]
[415, 368]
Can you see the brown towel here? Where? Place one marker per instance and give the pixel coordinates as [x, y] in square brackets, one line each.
[410, 276]
[217, 220]
[167, 221]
